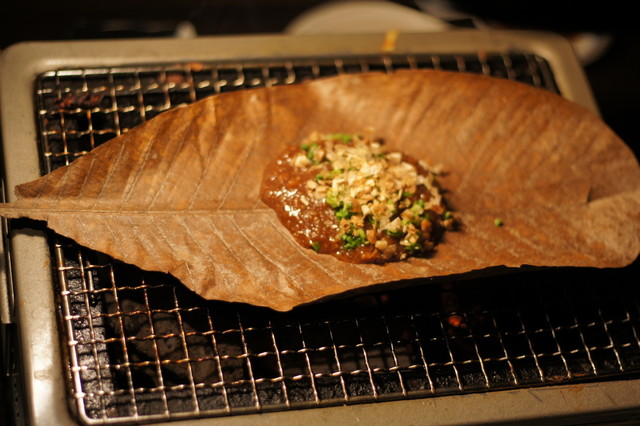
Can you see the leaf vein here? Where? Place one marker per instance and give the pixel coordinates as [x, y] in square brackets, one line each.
[262, 253]
[169, 172]
[216, 231]
[215, 144]
[300, 250]
[112, 170]
[128, 191]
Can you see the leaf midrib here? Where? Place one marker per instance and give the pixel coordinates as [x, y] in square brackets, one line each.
[119, 212]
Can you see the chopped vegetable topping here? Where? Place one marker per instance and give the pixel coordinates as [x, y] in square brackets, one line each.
[316, 247]
[382, 200]
[344, 137]
[498, 222]
[354, 238]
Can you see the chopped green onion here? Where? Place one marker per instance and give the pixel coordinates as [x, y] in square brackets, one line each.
[352, 241]
[333, 203]
[395, 233]
[498, 222]
[332, 199]
[344, 211]
[413, 248]
[312, 151]
[344, 137]
[309, 147]
[406, 194]
[333, 173]
[447, 215]
[316, 247]
[417, 209]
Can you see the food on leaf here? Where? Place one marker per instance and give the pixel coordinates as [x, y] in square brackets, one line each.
[344, 195]
[181, 193]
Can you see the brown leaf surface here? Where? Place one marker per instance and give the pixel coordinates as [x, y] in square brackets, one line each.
[180, 193]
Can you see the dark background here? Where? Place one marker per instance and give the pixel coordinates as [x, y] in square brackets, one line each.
[613, 77]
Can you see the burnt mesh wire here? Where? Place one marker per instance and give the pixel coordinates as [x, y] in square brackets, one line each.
[141, 347]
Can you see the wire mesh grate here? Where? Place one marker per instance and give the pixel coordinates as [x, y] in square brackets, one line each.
[141, 347]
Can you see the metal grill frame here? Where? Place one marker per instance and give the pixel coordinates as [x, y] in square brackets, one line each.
[194, 81]
[24, 239]
[472, 353]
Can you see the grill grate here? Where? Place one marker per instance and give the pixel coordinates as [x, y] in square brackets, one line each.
[141, 347]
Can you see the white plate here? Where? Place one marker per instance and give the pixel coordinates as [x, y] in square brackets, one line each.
[363, 17]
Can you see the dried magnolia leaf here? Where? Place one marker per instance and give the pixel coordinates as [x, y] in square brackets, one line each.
[180, 193]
